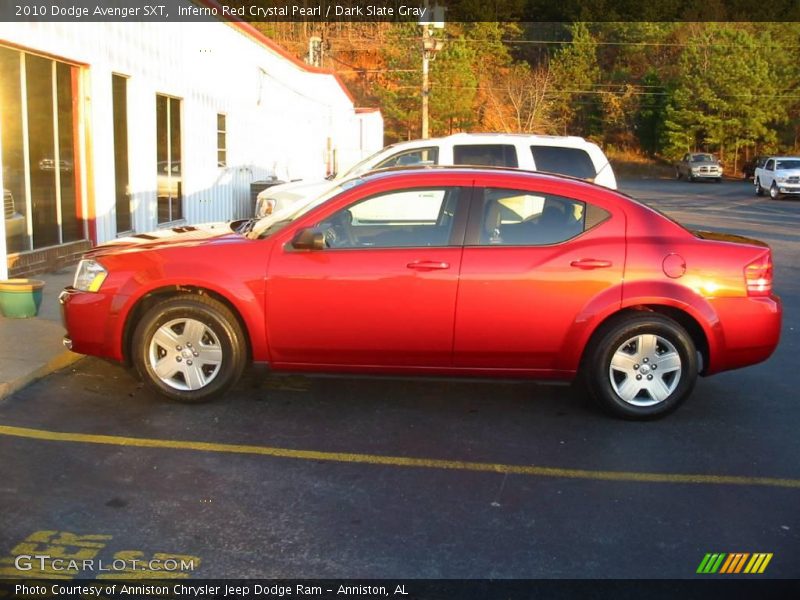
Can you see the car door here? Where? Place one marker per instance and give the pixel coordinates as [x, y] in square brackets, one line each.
[381, 292]
[533, 262]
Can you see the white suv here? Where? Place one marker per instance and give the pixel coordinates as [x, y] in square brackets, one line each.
[564, 155]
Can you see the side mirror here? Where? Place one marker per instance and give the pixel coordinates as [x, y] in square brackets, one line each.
[308, 239]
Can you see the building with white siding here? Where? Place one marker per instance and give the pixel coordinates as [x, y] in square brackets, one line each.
[111, 128]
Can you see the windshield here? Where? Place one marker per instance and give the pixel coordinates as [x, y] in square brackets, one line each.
[788, 164]
[702, 158]
[275, 222]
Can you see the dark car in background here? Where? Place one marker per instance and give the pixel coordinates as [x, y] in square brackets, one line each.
[749, 168]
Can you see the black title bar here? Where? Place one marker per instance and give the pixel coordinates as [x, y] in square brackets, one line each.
[331, 11]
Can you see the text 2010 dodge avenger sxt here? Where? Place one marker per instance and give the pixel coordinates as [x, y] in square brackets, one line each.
[452, 271]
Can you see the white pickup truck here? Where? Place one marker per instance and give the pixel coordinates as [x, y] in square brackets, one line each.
[779, 175]
[565, 155]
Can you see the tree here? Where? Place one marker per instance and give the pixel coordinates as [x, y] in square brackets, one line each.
[453, 88]
[729, 92]
[519, 100]
[575, 73]
[399, 92]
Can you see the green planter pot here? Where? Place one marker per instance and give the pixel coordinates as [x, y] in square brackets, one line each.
[20, 298]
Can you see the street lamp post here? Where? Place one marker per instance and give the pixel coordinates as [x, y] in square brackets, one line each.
[430, 46]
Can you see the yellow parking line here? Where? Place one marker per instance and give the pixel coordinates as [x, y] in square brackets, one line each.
[398, 461]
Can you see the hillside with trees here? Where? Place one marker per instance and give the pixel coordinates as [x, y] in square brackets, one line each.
[654, 89]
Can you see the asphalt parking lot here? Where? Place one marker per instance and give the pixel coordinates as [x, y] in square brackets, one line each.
[386, 478]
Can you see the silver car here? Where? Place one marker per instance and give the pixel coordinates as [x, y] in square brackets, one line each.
[699, 165]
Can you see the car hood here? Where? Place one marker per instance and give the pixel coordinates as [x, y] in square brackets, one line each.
[789, 172]
[187, 235]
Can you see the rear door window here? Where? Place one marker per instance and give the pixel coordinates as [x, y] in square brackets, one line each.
[486, 155]
[563, 161]
[524, 218]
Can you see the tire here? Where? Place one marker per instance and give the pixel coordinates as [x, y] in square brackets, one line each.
[678, 174]
[773, 192]
[759, 189]
[625, 343]
[690, 178]
[191, 366]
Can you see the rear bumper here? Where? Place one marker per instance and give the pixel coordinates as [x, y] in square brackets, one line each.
[750, 332]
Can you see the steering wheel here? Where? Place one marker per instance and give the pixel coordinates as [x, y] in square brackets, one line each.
[337, 230]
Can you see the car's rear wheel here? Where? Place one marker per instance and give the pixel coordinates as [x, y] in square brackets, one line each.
[759, 189]
[189, 348]
[641, 367]
[774, 193]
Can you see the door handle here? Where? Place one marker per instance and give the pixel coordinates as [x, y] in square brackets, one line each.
[590, 263]
[427, 265]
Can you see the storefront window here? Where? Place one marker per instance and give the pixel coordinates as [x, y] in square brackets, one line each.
[168, 154]
[121, 180]
[38, 105]
[11, 144]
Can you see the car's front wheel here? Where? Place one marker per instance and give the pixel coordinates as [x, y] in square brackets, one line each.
[774, 192]
[189, 348]
[641, 366]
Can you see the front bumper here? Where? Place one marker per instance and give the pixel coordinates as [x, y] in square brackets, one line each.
[91, 323]
[788, 188]
[707, 175]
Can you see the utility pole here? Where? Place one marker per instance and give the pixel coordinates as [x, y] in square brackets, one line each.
[430, 46]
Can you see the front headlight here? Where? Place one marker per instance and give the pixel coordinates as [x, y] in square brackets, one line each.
[781, 179]
[89, 276]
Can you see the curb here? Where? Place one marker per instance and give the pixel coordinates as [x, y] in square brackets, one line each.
[58, 362]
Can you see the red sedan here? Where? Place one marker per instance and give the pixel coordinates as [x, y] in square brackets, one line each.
[451, 271]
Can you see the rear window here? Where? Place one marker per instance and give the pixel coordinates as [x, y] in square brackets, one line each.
[486, 155]
[563, 161]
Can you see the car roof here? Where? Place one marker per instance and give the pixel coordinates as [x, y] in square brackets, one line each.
[784, 157]
[484, 138]
[376, 174]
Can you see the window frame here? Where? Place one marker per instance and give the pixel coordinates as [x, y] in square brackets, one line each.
[472, 237]
[457, 232]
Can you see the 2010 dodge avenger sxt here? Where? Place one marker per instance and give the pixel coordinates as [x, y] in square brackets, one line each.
[440, 271]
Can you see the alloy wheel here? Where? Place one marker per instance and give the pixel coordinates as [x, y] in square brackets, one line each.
[645, 370]
[185, 354]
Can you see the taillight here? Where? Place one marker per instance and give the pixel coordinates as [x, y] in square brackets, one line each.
[758, 276]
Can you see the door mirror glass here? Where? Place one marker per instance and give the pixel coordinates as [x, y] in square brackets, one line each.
[308, 239]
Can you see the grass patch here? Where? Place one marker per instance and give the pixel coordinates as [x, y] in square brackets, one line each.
[632, 165]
